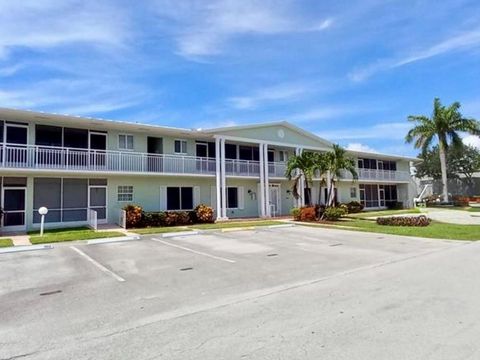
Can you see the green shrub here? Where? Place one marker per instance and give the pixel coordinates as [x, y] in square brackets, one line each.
[177, 218]
[151, 219]
[354, 207]
[203, 214]
[334, 213]
[133, 215]
[421, 220]
[295, 212]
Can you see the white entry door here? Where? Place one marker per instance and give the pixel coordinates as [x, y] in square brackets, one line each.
[97, 200]
[275, 200]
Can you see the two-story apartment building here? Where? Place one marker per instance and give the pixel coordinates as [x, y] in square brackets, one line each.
[77, 166]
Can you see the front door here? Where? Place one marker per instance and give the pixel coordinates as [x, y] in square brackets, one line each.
[275, 200]
[97, 200]
[16, 136]
[13, 204]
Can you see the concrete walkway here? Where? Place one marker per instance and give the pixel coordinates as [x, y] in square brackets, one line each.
[461, 217]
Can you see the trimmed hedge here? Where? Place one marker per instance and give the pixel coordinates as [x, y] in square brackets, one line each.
[335, 213]
[421, 220]
[137, 218]
[354, 207]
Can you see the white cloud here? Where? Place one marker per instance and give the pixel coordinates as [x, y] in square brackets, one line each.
[385, 131]
[282, 92]
[464, 41]
[74, 96]
[360, 147]
[48, 23]
[203, 28]
[472, 140]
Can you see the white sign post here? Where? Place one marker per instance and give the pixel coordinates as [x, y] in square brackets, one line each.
[42, 211]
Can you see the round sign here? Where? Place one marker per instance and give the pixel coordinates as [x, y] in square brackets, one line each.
[43, 210]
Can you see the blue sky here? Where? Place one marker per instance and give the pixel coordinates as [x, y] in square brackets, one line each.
[350, 71]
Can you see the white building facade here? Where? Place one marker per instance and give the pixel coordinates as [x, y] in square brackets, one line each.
[77, 167]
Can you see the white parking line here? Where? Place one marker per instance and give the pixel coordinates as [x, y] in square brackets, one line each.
[97, 264]
[193, 251]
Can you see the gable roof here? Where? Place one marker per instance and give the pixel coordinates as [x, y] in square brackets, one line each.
[283, 123]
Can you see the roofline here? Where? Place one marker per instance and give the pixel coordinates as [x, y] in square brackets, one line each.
[385, 156]
[43, 114]
[270, 123]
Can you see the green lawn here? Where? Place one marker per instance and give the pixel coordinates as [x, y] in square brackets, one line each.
[71, 234]
[435, 230]
[367, 214]
[220, 225]
[5, 242]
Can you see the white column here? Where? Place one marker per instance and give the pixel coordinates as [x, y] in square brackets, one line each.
[224, 180]
[262, 181]
[267, 188]
[218, 179]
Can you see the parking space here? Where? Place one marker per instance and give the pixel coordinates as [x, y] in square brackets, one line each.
[95, 290]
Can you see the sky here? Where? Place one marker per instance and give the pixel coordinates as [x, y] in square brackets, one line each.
[348, 71]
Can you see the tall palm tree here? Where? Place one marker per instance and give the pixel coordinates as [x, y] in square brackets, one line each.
[337, 162]
[443, 126]
[301, 166]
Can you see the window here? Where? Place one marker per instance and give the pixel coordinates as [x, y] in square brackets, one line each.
[179, 198]
[48, 135]
[232, 198]
[75, 138]
[180, 146]
[282, 156]
[230, 151]
[125, 142]
[367, 163]
[125, 193]
[353, 192]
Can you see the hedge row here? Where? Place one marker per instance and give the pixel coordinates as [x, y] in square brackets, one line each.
[421, 220]
[137, 218]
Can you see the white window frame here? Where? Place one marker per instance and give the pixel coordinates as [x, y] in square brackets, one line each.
[283, 154]
[126, 142]
[123, 192]
[353, 192]
[183, 151]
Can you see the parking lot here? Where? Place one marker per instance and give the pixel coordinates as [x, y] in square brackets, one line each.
[280, 293]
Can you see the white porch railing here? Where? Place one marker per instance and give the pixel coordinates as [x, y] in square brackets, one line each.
[40, 157]
[92, 219]
[378, 175]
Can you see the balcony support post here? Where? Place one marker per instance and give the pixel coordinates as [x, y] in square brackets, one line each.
[223, 180]
[266, 182]
[262, 180]
[218, 180]
[301, 188]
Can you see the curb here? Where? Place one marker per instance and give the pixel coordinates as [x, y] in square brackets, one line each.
[112, 240]
[13, 249]
[237, 229]
[280, 226]
[179, 233]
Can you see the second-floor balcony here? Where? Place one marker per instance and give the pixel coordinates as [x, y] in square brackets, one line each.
[72, 159]
[378, 175]
[56, 158]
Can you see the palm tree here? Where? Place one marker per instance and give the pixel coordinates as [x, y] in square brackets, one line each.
[336, 162]
[298, 166]
[444, 125]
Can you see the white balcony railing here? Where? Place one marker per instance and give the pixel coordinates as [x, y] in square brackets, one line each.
[55, 158]
[378, 175]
